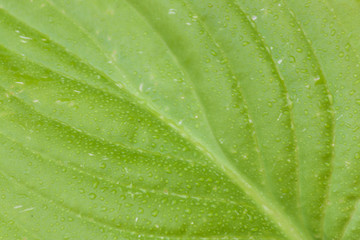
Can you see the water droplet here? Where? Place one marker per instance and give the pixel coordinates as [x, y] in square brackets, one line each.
[292, 59]
[92, 196]
[102, 165]
[155, 213]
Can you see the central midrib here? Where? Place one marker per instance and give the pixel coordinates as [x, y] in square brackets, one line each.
[265, 204]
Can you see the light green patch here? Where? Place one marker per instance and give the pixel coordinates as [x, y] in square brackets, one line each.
[179, 119]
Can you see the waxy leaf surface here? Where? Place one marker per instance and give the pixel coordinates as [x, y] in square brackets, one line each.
[179, 119]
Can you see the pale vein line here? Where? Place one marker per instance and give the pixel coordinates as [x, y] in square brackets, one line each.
[140, 102]
[76, 168]
[286, 97]
[176, 60]
[251, 190]
[195, 91]
[281, 81]
[270, 209]
[331, 112]
[87, 217]
[351, 218]
[64, 207]
[328, 5]
[195, 143]
[101, 139]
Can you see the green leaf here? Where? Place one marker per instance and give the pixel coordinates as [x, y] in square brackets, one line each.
[179, 119]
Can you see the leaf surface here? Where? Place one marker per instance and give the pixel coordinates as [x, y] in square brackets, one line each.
[179, 119]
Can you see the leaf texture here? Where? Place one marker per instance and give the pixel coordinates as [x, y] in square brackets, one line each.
[179, 119]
